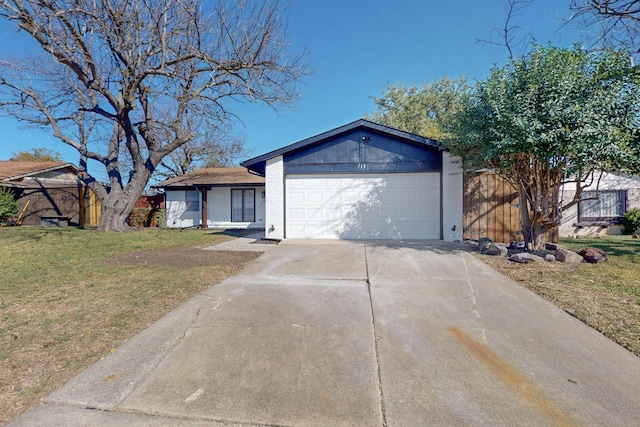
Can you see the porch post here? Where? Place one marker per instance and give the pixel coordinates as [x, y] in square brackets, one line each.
[203, 209]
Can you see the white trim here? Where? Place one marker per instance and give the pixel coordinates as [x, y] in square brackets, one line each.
[274, 209]
[452, 198]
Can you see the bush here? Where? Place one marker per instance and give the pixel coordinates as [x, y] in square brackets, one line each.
[147, 217]
[8, 205]
[631, 221]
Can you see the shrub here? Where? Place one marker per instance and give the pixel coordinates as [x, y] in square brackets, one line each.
[147, 217]
[8, 205]
[631, 221]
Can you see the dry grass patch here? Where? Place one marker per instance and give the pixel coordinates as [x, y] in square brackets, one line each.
[70, 296]
[605, 296]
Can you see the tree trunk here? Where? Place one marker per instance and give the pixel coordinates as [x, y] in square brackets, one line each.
[119, 202]
[532, 226]
[114, 219]
[538, 237]
[539, 217]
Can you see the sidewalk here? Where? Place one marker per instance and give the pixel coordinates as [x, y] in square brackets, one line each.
[250, 242]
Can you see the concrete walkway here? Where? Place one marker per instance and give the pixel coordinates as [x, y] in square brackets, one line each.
[317, 333]
[251, 242]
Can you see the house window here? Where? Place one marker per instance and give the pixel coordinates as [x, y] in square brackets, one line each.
[606, 205]
[243, 205]
[192, 201]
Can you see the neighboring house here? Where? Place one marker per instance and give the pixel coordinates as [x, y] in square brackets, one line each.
[54, 194]
[215, 197]
[607, 201]
[361, 181]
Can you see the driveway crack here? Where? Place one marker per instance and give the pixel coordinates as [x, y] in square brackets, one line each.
[375, 340]
[473, 307]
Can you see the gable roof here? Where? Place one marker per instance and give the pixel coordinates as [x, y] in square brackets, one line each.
[213, 177]
[256, 164]
[13, 170]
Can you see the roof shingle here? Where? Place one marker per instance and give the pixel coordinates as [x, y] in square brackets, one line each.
[213, 177]
[10, 170]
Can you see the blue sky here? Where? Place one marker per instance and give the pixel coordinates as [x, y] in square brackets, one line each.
[355, 48]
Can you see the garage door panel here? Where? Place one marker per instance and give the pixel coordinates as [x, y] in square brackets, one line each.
[386, 206]
[297, 213]
[333, 213]
[297, 196]
[315, 196]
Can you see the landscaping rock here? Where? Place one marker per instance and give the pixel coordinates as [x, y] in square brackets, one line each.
[550, 257]
[517, 245]
[551, 246]
[593, 255]
[496, 249]
[484, 244]
[525, 258]
[568, 257]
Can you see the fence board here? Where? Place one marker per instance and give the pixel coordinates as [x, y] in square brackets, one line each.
[490, 209]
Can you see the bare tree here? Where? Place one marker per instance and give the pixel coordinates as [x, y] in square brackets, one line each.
[512, 36]
[125, 78]
[609, 22]
[213, 149]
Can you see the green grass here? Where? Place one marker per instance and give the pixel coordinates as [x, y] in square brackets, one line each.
[616, 246]
[65, 302]
[621, 273]
[606, 296]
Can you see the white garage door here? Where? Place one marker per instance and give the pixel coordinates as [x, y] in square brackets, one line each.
[381, 206]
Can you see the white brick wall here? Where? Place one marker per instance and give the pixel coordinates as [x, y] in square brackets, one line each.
[451, 197]
[274, 176]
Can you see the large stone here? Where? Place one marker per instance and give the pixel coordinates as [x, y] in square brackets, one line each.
[593, 255]
[517, 245]
[568, 257]
[484, 244]
[525, 258]
[496, 249]
[550, 257]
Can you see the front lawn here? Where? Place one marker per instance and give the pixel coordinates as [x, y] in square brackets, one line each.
[69, 296]
[605, 296]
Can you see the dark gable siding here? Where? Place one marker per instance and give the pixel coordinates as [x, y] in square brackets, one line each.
[362, 151]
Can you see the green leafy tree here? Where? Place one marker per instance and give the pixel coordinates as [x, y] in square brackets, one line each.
[8, 204]
[552, 116]
[426, 110]
[41, 154]
[122, 82]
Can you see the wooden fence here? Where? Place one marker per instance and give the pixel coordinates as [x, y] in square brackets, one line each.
[73, 205]
[491, 209]
[79, 206]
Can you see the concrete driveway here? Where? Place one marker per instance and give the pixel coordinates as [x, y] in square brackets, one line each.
[317, 333]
